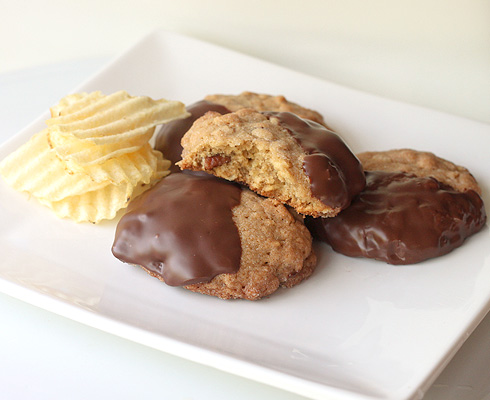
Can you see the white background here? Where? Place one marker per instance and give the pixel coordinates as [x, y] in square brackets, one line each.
[432, 53]
[435, 53]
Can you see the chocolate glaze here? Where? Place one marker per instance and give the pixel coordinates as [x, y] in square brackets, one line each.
[169, 137]
[335, 173]
[402, 219]
[182, 230]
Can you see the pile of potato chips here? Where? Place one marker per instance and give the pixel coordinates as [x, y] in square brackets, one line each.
[94, 156]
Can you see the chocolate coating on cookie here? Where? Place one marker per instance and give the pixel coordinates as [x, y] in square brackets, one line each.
[182, 230]
[334, 172]
[169, 136]
[266, 152]
[276, 251]
[400, 218]
[216, 238]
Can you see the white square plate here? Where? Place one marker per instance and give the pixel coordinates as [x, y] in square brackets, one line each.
[357, 329]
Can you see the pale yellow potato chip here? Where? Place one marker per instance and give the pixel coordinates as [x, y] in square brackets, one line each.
[101, 204]
[93, 193]
[108, 134]
[93, 206]
[85, 152]
[84, 105]
[139, 166]
[34, 168]
[121, 113]
[117, 124]
[74, 102]
[95, 155]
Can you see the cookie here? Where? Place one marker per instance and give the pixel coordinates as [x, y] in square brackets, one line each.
[264, 102]
[169, 136]
[278, 155]
[214, 237]
[420, 163]
[415, 206]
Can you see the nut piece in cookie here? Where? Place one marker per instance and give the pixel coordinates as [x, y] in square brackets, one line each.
[278, 155]
[214, 237]
[170, 134]
[264, 102]
[415, 206]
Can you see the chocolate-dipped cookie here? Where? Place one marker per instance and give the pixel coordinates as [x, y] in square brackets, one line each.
[214, 237]
[415, 206]
[169, 136]
[278, 155]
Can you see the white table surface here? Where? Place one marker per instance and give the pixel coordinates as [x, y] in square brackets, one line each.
[45, 356]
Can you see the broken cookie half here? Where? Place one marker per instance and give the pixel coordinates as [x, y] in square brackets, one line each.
[278, 155]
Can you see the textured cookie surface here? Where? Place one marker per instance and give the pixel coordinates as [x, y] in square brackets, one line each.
[214, 237]
[422, 164]
[169, 136]
[264, 102]
[276, 251]
[406, 217]
[278, 155]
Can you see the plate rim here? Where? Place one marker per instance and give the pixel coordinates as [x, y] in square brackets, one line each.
[294, 384]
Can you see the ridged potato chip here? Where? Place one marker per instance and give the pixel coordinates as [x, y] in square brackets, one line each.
[108, 126]
[97, 205]
[34, 168]
[89, 153]
[73, 102]
[94, 156]
[80, 106]
[115, 114]
[135, 167]
[92, 206]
